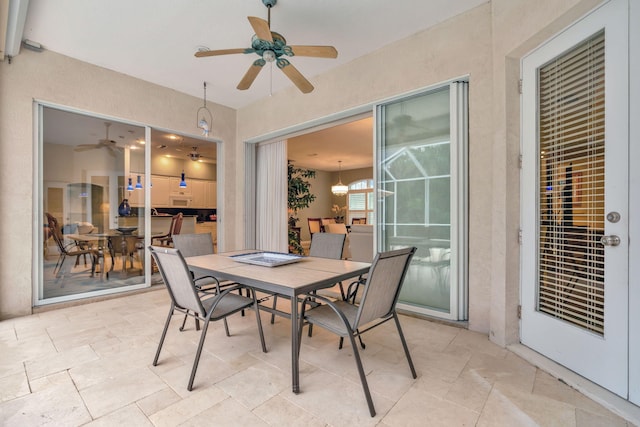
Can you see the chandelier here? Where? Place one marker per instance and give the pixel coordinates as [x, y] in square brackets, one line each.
[339, 189]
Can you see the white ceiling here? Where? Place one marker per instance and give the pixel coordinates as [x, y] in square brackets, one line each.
[155, 40]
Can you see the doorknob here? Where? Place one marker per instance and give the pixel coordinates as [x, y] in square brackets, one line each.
[612, 240]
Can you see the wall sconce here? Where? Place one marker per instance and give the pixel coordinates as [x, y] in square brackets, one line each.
[138, 184]
[130, 186]
[183, 183]
[339, 189]
[203, 114]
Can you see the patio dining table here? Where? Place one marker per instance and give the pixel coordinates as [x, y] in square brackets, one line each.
[291, 280]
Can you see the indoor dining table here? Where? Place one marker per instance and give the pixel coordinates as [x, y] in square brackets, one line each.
[306, 275]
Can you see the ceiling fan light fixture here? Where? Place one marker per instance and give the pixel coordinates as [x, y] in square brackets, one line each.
[339, 189]
[269, 55]
[203, 114]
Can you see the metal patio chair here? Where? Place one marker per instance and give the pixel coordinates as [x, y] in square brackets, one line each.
[377, 306]
[186, 299]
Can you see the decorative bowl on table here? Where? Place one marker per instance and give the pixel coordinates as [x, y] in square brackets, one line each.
[126, 230]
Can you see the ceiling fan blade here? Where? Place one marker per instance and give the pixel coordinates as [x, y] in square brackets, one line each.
[315, 51]
[261, 28]
[251, 74]
[204, 53]
[294, 75]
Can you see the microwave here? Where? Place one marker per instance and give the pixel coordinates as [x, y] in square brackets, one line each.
[181, 201]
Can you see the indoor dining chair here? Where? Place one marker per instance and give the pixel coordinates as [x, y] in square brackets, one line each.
[174, 228]
[378, 305]
[72, 250]
[315, 225]
[186, 299]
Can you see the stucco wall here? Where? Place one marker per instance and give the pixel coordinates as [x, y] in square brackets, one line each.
[57, 79]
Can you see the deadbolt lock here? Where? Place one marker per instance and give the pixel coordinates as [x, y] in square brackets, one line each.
[613, 217]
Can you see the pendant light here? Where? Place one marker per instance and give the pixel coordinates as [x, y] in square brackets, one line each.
[183, 183]
[130, 186]
[138, 184]
[203, 114]
[339, 189]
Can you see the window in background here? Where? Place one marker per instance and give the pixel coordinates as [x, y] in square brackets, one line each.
[360, 201]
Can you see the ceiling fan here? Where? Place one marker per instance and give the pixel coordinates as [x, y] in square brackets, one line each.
[271, 47]
[110, 144]
[194, 155]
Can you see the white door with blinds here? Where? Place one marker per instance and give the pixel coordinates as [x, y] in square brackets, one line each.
[575, 200]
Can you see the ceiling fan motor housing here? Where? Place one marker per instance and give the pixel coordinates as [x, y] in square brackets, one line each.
[269, 3]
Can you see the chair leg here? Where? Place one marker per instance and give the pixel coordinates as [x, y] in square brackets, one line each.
[363, 378]
[184, 322]
[256, 307]
[226, 327]
[198, 353]
[404, 345]
[164, 334]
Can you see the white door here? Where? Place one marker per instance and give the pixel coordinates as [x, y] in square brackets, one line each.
[575, 175]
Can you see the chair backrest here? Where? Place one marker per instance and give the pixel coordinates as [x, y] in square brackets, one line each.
[177, 278]
[358, 220]
[384, 282]
[326, 221]
[327, 245]
[56, 232]
[361, 244]
[335, 228]
[315, 225]
[177, 224]
[193, 244]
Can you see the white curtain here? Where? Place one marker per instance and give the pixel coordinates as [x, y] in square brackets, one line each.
[271, 197]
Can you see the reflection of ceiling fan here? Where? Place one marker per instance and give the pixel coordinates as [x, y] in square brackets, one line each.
[194, 155]
[103, 143]
[271, 46]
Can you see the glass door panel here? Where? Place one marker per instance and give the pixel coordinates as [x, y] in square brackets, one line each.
[83, 161]
[416, 199]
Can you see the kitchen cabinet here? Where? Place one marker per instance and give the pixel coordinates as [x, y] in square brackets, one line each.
[211, 194]
[136, 197]
[201, 193]
[161, 187]
[198, 193]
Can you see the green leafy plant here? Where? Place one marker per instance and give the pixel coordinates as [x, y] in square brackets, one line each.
[300, 197]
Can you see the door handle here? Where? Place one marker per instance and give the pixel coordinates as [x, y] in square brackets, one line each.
[612, 240]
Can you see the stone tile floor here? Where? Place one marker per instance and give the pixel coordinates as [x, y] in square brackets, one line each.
[91, 365]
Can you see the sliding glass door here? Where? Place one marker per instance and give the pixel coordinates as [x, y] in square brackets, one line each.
[91, 205]
[421, 187]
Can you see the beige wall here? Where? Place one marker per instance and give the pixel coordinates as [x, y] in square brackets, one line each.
[485, 44]
[61, 80]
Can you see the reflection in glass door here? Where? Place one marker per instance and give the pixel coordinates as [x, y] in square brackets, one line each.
[85, 249]
[421, 195]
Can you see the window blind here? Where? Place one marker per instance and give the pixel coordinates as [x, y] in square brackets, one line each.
[571, 133]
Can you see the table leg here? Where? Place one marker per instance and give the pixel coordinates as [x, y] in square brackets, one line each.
[295, 372]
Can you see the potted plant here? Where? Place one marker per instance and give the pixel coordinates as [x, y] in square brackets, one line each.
[299, 197]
